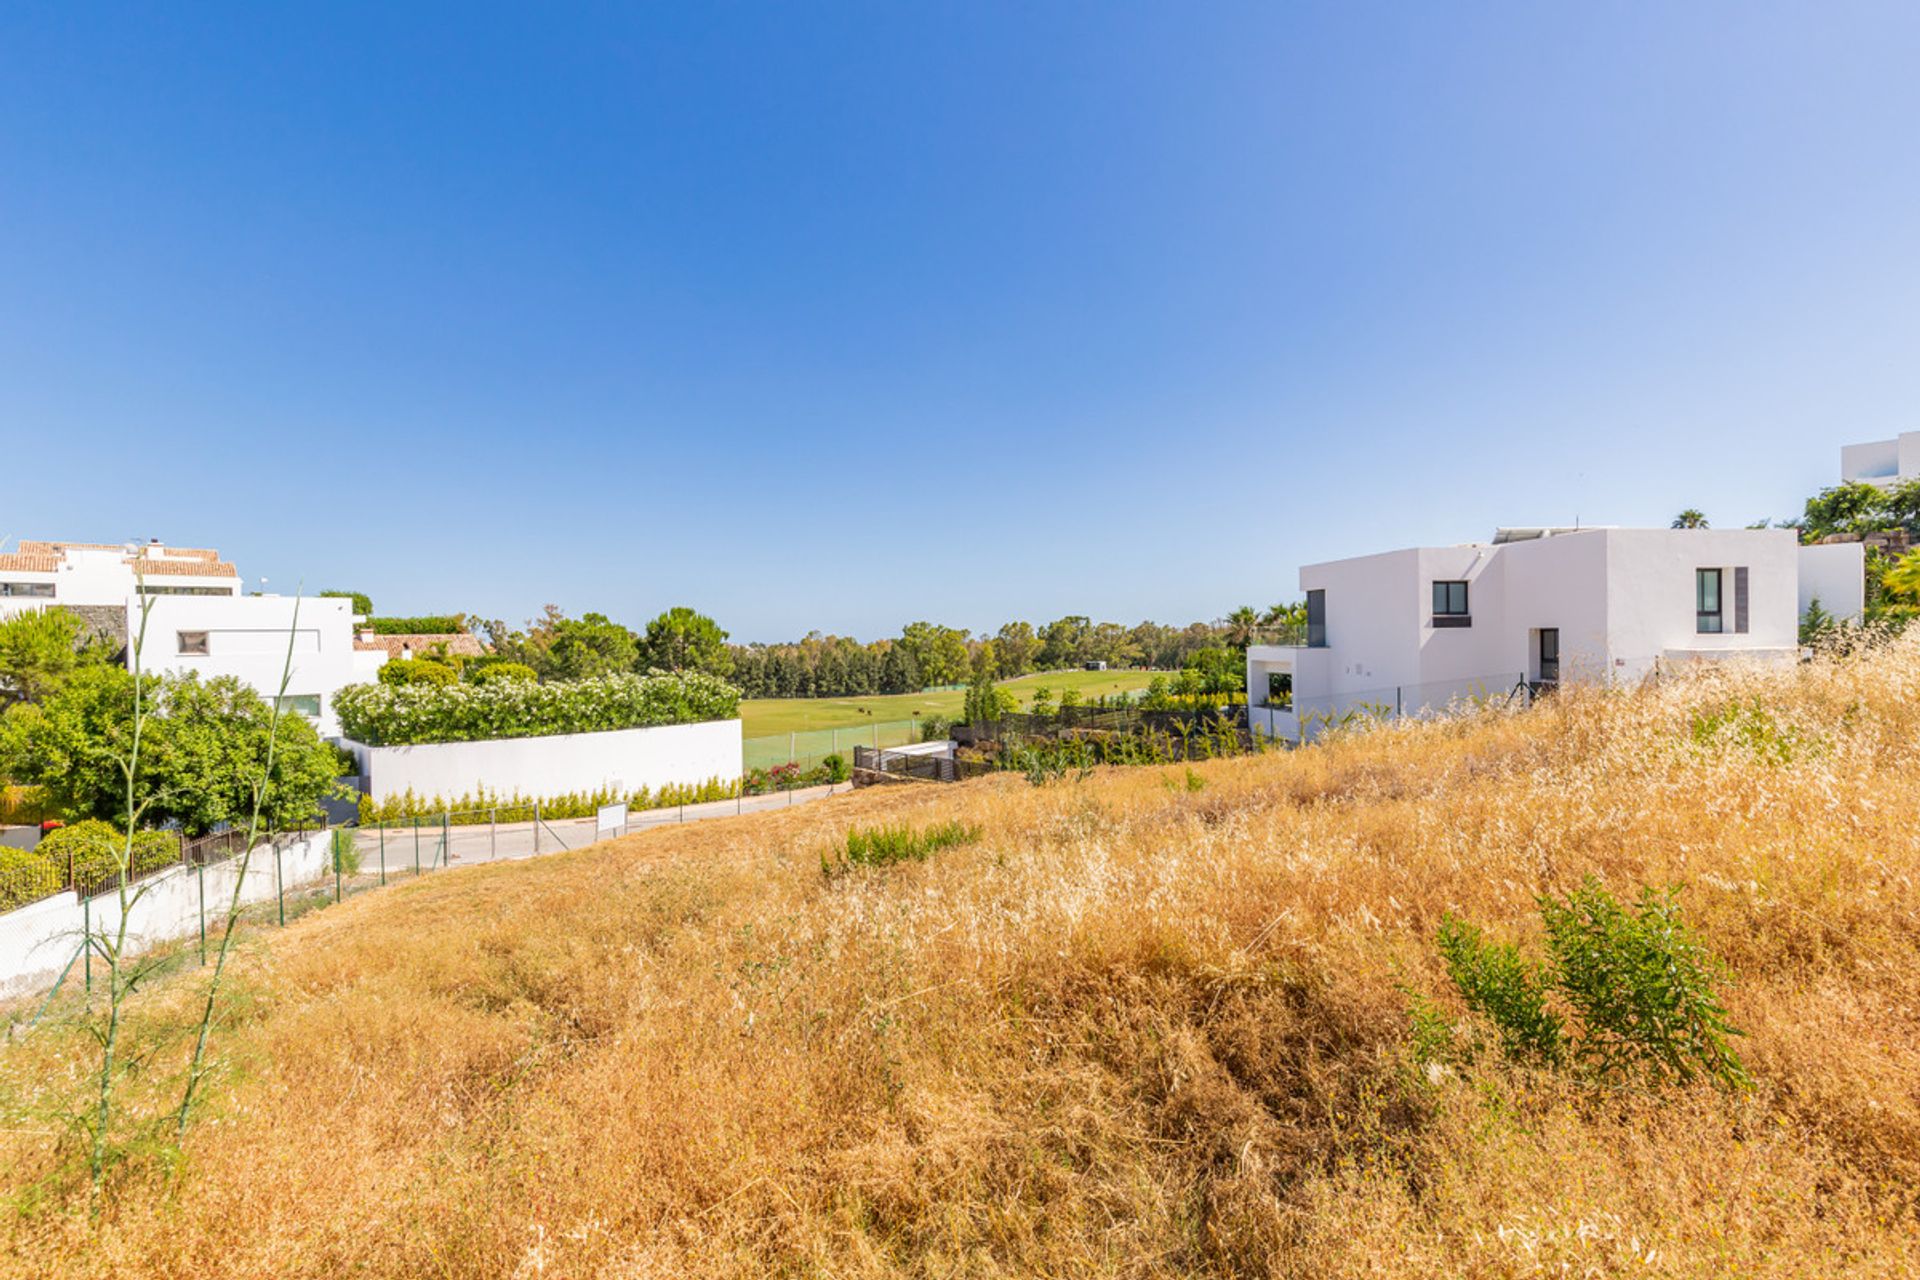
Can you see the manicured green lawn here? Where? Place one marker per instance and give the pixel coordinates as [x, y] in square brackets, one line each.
[763, 716]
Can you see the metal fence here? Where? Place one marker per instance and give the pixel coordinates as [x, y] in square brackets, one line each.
[809, 748]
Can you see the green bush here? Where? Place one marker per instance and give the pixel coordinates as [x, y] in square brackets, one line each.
[399, 715]
[96, 847]
[362, 603]
[1642, 985]
[346, 853]
[433, 624]
[478, 808]
[25, 877]
[837, 768]
[1637, 985]
[501, 673]
[1506, 989]
[415, 671]
[92, 847]
[883, 846]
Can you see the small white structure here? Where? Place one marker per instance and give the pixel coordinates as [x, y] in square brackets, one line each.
[623, 761]
[199, 619]
[1413, 630]
[1883, 462]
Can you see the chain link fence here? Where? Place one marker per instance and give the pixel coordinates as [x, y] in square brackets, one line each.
[807, 749]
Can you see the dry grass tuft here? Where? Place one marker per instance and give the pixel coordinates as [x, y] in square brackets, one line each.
[1132, 1029]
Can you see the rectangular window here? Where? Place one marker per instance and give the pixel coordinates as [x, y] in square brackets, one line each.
[148, 589]
[193, 644]
[34, 590]
[1706, 601]
[1317, 619]
[1280, 689]
[1740, 600]
[1550, 655]
[1450, 605]
[306, 704]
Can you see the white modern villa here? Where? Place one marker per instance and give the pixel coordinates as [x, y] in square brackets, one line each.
[199, 620]
[1416, 629]
[1882, 461]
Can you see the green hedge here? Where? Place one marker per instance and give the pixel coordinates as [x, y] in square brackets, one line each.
[404, 715]
[96, 848]
[25, 877]
[478, 808]
[432, 624]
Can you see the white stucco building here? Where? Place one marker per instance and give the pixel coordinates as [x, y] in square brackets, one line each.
[1405, 631]
[199, 619]
[1882, 461]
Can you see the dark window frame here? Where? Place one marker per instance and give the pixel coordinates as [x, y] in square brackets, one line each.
[1317, 618]
[1709, 621]
[1549, 664]
[194, 644]
[1451, 603]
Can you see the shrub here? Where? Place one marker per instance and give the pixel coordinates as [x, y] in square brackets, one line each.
[883, 846]
[1642, 985]
[1506, 989]
[346, 853]
[478, 808]
[501, 673]
[1638, 983]
[837, 768]
[26, 877]
[434, 624]
[362, 603]
[414, 671]
[95, 849]
[400, 715]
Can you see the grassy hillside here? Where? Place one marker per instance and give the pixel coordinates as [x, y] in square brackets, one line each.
[1146, 1024]
[761, 716]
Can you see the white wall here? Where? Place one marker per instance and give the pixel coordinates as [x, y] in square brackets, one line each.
[1882, 461]
[247, 638]
[1834, 573]
[37, 940]
[626, 760]
[1651, 600]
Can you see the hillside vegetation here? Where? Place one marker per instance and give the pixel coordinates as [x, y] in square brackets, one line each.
[1149, 1023]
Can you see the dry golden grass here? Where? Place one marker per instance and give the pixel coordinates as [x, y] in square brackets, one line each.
[1133, 1030]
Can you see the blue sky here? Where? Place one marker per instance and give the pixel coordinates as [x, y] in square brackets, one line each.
[836, 317]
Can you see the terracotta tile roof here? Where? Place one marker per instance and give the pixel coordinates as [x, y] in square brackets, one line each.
[45, 557]
[460, 645]
[150, 566]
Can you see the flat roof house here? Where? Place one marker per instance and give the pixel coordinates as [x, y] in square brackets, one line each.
[199, 619]
[1413, 630]
[1883, 462]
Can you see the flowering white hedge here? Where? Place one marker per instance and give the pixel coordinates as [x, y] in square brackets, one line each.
[384, 715]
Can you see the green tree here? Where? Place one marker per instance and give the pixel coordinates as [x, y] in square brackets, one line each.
[1853, 507]
[939, 652]
[1063, 642]
[1241, 625]
[40, 650]
[1691, 518]
[362, 603]
[591, 645]
[1015, 647]
[986, 701]
[899, 671]
[202, 744]
[683, 640]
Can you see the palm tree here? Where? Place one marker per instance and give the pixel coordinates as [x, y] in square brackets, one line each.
[1241, 624]
[1691, 518]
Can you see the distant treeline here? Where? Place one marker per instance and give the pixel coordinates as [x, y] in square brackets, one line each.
[928, 655]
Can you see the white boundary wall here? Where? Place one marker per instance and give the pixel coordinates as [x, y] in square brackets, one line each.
[561, 764]
[37, 940]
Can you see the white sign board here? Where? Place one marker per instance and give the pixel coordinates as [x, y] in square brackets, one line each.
[613, 817]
